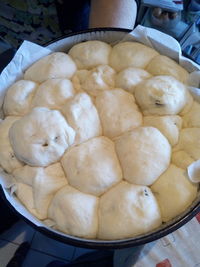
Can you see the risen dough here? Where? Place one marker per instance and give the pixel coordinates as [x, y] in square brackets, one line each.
[44, 183]
[162, 65]
[25, 195]
[93, 166]
[8, 160]
[181, 159]
[19, 97]
[168, 125]
[174, 192]
[55, 65]
[53, 93]
[189, 142]
[41, 137]
[131, 54]
[90, 54]
[192, 118]
[127, 210]
[161, 95]
[99, 79]
[118, 112]
[144, 154]
[127, 79]
[83, 117]
[80, 216]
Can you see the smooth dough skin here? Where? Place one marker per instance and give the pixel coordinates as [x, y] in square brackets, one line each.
[55, 65]
[80, 216]
[168, 125]
[189, 142]
[93, 166]
[174, 192]
[44, 183]
[82, 115]
[144, 154]
[90, 54]
[162, 65]
[127, 210]
[128, 78]
[53, 93]
[8, 160]
[118, 112]
[131, 54]
[161, 95]
[192, 118]
[18, 98]
[41, 137]
[181, 159]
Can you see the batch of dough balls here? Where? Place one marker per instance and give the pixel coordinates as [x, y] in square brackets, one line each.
[98, 140]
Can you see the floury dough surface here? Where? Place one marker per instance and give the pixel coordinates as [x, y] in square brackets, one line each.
[98, 140]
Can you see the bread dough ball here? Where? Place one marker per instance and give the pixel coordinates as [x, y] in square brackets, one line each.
[131, 54]
[168, 125]
[18, 98]
[189, 142]
[25, 194]
[162, 65]
[128, 78]
[92, 167]
[41, 137]
[144, 154]
[99, 79]
[192, 118]
[45, 184]
[118, 112]
[161, 95]
[74, 212]
[8, 160]
[127, 210]
[56, 65]
[82, 115]
[26, 174]
[79, 78]
[188, 105]
[181, 159]
[90, 54]
[53, 93]
[174, 192]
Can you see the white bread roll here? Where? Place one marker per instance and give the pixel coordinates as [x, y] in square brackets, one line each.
[128, 78]
[92, 167]
[168, 125]
[41, 137]
[161, 95]
[144, 154]
[82, 115]
[56, 65]
[99, 79]
[74, 212]
[127, 210]
[118, 112]
[90, 54]
[174, 192]
[8, 159]
[162, 65]
[19, 97]
[131, 54]
[53, 93]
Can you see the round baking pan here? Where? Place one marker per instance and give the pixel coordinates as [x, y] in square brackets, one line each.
[64, 44]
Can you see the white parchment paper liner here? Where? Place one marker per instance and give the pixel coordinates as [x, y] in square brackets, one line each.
[29, 52]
